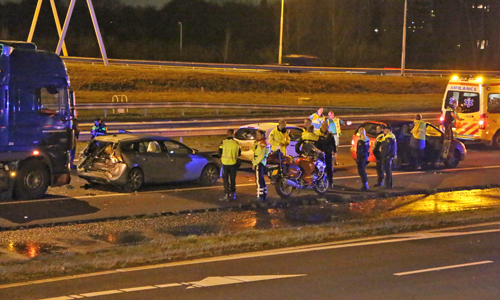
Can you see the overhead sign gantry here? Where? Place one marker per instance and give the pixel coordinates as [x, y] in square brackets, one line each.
[62, 32]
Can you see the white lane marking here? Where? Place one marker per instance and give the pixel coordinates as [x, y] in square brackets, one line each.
[238, 185]
[207, 282]
[444, 268]
[402, 237]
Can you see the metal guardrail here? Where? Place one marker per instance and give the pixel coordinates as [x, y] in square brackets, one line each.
[121, 106]
[185, 128]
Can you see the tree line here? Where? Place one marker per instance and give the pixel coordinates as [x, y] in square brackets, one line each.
[441, 34]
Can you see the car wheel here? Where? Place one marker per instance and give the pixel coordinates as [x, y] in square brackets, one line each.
[496, 140]
[209, 175]
[452, 160]
[32, 180]
[135, 180]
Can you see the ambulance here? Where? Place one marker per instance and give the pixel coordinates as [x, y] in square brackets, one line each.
[478, 107]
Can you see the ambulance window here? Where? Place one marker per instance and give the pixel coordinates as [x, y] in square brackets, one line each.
[494, 103]
[467, 102]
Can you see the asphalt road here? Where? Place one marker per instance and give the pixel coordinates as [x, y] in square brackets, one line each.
[76, 203]
[456, 263]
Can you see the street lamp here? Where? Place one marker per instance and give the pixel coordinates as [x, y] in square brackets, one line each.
[281, 32]
[403, 54]
[180, 39]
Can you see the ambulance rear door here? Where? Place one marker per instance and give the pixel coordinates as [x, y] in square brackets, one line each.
[469, 108]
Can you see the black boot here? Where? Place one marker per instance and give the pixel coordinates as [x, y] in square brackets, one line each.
[234, 196]
[365, 187]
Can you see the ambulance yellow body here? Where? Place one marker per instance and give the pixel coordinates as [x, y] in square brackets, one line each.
[478, 107]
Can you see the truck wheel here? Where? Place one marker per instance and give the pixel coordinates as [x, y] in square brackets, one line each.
[32, 180]
[496, 140]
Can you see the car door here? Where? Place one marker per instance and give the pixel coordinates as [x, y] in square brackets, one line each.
[433, 143]
[152, 160]
[183, 164]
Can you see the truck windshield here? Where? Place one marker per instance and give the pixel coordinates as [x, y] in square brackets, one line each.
[52, 100]
[467, 102]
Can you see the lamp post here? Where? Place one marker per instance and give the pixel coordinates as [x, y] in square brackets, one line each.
[281, 32]
[403, 53]
[180, 39]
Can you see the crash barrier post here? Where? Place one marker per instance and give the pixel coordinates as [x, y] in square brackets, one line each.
[120, 99]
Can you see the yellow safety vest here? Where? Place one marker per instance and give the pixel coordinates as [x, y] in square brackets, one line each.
[317, 120]
[389, 135]
[230, 151]
[278, 138]
[337, 124]
[310, 136]
[419, 130]
[260, 152]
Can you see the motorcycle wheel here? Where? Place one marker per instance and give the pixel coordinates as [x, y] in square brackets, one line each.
[282, 188]
[322, 185]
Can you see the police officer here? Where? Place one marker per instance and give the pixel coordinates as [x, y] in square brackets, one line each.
[76, 131]
[326, 143]
[279, 137]
[362, 154]
[388, 151]
[229, 151]
[417, 142]
[260, 152]
[450, 116]
[317, 118]
[99, 128]
[308, 138]
[334, 127]
[378, 156]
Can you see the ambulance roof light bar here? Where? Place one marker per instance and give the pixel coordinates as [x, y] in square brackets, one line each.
[476, 79]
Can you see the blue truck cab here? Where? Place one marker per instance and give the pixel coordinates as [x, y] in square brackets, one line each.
[36, 114]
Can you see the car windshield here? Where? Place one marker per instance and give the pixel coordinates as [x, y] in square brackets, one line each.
[467, 102]
[371, 129]
[246, 133]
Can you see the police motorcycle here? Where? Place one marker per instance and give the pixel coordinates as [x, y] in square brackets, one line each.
[306, 172]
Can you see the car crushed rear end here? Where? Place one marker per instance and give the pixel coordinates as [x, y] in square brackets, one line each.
[101, 162]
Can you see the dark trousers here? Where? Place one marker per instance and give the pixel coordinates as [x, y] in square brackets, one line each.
[380, 171]
[229, 178]
[329, 167]
[362, 170]
[417, 155]
[260, 170]
[387, 171]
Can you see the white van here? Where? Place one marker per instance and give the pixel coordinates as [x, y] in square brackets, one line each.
[478, 106]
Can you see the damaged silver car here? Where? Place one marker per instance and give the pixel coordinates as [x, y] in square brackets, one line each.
[132, 160]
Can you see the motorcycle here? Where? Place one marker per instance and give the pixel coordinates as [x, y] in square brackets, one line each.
[304, 173]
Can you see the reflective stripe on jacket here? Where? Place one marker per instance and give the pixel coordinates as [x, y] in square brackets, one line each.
[230, 152]
[419, 130]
